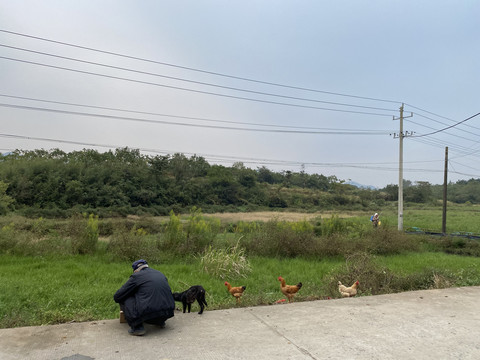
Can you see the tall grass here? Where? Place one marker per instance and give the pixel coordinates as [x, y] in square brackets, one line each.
[228, 263]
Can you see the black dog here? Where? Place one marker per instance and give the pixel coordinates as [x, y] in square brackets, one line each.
[188, 297]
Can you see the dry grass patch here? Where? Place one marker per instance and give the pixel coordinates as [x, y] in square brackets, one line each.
[266, 216]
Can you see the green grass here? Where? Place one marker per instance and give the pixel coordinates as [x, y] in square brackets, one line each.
[59, 289]
[462, 270]
[43, 281]
[460, 218]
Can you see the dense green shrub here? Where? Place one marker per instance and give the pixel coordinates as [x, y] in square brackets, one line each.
[281, 239]
[8, 238]
[84, 233]
[458, 245]
[133, 244]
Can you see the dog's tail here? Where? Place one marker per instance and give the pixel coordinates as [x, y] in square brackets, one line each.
[202, 297]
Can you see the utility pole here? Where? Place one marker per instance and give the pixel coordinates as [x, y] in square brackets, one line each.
[401, 135]
[444, 212]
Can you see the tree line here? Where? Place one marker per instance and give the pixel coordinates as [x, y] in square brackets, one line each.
[124, 181]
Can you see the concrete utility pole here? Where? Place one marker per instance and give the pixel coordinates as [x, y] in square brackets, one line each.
[401, 135]
[444, 212]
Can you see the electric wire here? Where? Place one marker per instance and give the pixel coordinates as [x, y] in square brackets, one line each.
[429, 127]
[123, 118]
[192, 90]
[448, 127]
[231, 158]
[273, 84]
[197, 82]
[442, 123]
[440, 116]
[441, 144]
[197, 70]
[171, 115]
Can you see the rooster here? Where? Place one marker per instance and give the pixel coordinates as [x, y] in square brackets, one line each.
[348, 291]
[289, 290]
[236, 291]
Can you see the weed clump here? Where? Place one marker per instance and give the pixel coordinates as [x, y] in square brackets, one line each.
[281, 239]
[84, 234]
[229, 263]
[376, 280]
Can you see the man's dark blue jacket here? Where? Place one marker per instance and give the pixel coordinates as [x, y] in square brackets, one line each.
[146, 296]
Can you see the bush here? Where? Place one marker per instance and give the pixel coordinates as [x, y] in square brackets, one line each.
[191, 237]
[281, 239]
[458, 245]
[8, 239]
[334, 225]
[84, 233]
[134, 244]
[199, 232]
[174, 235]
[387, 241]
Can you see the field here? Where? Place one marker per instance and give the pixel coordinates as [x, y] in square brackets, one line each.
[460, 218]
[51, 271]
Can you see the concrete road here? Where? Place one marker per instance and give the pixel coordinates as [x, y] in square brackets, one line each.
[431, 324]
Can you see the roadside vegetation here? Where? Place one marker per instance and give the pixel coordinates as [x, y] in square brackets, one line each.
[72, 223]
[55, 184]
[62, 270]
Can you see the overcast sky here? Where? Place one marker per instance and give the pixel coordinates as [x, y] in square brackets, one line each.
[290, 85]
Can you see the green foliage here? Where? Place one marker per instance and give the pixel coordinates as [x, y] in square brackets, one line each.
[132, 244]
[192, 236]
[200, 233]
[174, 235]
[281, 239]
[334, 225]
[458, 245]
[243, 227]
[8, 238]
[84, 233]
[382, 259]
[124, 182]
[30, 284]
[5, 200]
[376, 279]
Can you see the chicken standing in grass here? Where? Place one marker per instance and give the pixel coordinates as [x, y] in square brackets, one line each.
[348, 291]
[289, 290]
[236, 291]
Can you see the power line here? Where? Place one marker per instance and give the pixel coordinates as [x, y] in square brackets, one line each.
[197, 82]
[217, 157]
[440, 122]
[219, 74]
[197, 70]
[448, 127]
[123, 118]
[429, 127]
[453, 147]
[170, 115]
[191, 90]
[440, 116]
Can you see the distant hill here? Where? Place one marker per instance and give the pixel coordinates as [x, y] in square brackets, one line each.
[361, 186]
